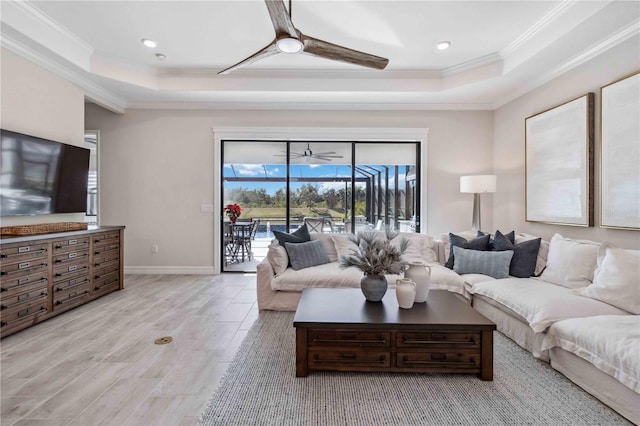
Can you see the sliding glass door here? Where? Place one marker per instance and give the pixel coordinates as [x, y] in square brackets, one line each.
[331, 186]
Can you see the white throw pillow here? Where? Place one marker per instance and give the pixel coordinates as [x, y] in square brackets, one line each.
[277, 257]
[419, 248]
[343, 245]
[617, 278]
[570, 263]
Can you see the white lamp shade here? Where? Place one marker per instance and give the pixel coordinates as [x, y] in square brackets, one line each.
[478, 184]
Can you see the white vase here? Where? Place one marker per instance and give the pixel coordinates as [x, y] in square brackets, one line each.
[405, 292]
[420, 274]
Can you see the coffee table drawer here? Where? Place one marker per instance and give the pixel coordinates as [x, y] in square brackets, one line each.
[457, 359]
[348, 338]
[345, 359]
[434, 339]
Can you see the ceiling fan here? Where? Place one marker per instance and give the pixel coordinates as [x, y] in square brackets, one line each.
[289, 40]
[308, 155]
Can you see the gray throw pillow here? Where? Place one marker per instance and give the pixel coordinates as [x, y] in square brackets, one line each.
[492, 263]
[478, 243]
[304, 255]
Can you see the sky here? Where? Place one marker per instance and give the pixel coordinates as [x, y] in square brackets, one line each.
[304, 170]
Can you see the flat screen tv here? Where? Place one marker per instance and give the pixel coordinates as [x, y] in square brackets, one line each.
[40, 176]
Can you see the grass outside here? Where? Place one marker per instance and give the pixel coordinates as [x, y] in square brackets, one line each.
[279, 213]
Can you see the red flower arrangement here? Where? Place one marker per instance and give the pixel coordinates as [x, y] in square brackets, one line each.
[233, 211]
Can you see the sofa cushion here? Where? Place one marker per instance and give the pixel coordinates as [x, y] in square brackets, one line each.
[525, 254]
[277, 257]
[492, 263]
[541, 303]
[443, 278]
[616, 280]
[344, 246]
[420, 247]
[509, 235]
[610, 342]
[570, 263]
[479, 243]
[327, 242]
[304, 255]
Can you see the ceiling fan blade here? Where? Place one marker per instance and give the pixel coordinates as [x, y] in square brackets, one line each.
[327, 156]
[265, 52]
[280, 18]
[324, 49]
[325, 153]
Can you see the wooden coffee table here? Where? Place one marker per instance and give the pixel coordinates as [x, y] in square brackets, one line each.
[338, 330]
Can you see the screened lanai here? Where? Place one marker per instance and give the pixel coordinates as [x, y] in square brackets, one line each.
[331, 186]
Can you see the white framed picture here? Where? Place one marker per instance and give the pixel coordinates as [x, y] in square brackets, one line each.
[559, 147]
[620, 153]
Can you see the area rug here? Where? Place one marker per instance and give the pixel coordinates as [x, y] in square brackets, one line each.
[260, 388]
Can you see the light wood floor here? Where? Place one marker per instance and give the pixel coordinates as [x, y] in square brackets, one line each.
[98, 364]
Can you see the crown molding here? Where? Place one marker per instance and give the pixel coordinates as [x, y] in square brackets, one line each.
[311, 106]
[36, 25]
[253, 73]
[472, 65]
[540, 25]
[92, 90]
[613, 40]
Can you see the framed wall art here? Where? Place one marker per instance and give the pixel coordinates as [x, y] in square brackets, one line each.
[620, 153]
[559, 145]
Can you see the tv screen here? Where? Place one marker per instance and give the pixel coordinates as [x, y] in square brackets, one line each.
[40, 176]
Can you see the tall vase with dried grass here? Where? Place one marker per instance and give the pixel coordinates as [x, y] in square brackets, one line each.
[375, 256]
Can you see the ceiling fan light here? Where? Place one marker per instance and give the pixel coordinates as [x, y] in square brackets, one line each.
[289, 45]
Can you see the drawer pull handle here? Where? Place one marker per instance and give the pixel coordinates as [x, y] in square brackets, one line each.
[58, 246]
[405, 360]
[72, 242]
[317, 360]
[24, 265]
[23, 249]
[431, 342]
[379, 341]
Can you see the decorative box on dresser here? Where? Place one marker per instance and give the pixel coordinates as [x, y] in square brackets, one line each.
[44, 275]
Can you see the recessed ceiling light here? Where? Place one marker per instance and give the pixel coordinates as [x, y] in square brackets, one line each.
[149, 43]
[443, 45]
[161, 56]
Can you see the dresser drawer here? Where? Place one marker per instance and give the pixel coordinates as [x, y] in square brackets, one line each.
[107, 286]
[23, 268]
[434, 339]
[25, 310]
[71, 282]
[70, 293]
[105, 239]
[445, 359]
[348, 338]
[113, 249]
[29, 294]
[11, 285]
[70, 298]
[106, 259]
[66, 272]
[102, 272]
[334, 359]
[72, 256]
[21, 253]
[70, 244]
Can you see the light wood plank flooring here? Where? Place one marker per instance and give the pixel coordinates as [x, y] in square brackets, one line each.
[98, 364]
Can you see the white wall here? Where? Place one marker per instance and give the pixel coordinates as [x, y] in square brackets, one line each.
[157, 169]
[509, 158]
[37, 102]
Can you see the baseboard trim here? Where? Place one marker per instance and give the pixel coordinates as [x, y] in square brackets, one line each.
[169, 270]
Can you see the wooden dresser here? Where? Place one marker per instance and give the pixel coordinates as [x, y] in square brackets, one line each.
[44, 275]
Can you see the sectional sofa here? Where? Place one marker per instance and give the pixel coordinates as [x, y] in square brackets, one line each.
[579, 311]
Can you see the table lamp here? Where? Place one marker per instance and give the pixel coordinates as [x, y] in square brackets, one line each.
[477, 185]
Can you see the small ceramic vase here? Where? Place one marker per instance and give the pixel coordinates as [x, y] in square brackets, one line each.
[405, 292]
[373, 287]
[420, 274]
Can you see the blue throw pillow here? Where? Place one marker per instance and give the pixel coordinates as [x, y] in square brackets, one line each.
[525, 255]
[304, 255]
[478, 243]
[492, 263]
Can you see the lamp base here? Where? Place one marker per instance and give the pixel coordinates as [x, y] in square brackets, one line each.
[475, 223]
